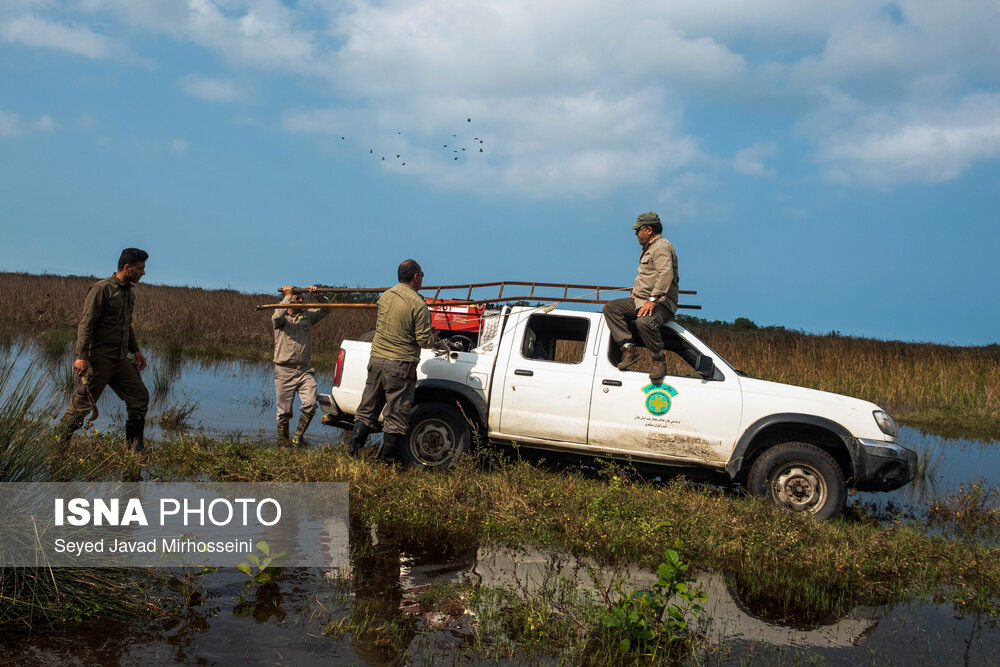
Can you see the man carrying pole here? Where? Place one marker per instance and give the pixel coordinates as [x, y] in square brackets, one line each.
[293, 371]
[104, 340]
[402, 328]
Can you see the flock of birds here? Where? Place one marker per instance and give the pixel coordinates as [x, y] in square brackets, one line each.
[456, 148]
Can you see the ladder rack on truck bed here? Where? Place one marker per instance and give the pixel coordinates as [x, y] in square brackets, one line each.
[535, 293]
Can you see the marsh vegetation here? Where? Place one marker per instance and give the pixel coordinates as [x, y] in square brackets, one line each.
[784, 567]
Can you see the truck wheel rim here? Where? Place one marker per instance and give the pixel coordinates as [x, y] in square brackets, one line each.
[433, 442]
[800, 488]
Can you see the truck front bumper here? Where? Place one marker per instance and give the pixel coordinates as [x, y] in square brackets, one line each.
[886, 466]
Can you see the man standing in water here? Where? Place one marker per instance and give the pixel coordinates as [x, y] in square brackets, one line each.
[293, 371]
[402, 328]
[107, 353]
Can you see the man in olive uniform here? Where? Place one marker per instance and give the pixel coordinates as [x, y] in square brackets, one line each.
[653, 300]
[293, 371]
[104, 341]
[402, 328]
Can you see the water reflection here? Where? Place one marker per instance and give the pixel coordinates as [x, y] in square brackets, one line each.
[370, 614]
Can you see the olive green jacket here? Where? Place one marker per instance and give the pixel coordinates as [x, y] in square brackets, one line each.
[403, 325]
[657, 277]
[105, 328]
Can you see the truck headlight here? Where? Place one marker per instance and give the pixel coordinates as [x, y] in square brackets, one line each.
[885, 423]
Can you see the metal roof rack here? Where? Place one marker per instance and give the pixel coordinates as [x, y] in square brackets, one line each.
[537, 291]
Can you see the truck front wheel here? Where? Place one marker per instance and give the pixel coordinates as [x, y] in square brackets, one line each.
[801, 477]
[438, 436]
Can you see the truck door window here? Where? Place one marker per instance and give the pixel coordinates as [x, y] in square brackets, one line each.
[555, 338]
[678, 356]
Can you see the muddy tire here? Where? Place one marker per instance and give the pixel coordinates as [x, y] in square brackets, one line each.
[801, 477]
[437, 438]
[367, 336]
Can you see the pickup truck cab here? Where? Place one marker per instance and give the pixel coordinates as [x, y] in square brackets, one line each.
[548, 379]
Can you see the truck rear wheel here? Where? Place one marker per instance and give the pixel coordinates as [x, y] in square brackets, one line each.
[801, 477]
[438, 436]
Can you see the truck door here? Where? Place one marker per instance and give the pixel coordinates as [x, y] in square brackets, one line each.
[685, 417]
[548, 380]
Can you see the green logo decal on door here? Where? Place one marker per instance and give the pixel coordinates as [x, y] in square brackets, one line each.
[658, 398]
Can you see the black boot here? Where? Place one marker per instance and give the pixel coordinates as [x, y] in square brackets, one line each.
[392, 446]
[359, 436]
[134, 429]
[283, 432]
[66, 428]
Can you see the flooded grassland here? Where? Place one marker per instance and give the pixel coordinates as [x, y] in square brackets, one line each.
[510, 559]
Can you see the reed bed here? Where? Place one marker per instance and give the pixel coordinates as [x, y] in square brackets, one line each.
[187, 320]
[920, 382]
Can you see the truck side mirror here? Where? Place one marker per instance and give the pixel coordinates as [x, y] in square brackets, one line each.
[705, 367]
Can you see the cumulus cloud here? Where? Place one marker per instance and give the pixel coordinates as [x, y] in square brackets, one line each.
[28, 30]
[211, 90]
[582, 96]
[749, 161]
[581, 145]
[259, 33]
[916, 143]
[12, 126]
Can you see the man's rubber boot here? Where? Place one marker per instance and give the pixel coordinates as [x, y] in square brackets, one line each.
[283, 432]
[359, 436]
[630, 355]
[299, 439]
[134, 429]
[392, 446]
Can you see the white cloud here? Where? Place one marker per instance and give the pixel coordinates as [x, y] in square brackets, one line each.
[45, 124]
[211, 90]
[179, 146]
[257, 33]
[10, 125]
[749, 161]
[32, 31]
[918, 142]
[13, 127]
[583, 96]
[581, 145]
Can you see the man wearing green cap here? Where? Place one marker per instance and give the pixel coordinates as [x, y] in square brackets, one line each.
[653, 300]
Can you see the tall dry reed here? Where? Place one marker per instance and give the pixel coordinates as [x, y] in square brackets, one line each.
[174, 317]
[906, 377]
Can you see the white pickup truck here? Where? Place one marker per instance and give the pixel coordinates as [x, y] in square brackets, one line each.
[549, 380]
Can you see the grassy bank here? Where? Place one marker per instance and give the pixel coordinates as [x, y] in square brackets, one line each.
[946, 389]
[28, 453]
[818, 568]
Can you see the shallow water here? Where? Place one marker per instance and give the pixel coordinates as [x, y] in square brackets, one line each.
[286, 624]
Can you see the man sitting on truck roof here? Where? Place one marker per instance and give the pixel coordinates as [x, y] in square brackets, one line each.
[653, 299]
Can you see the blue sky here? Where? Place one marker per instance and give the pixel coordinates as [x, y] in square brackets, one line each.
[822, 166]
